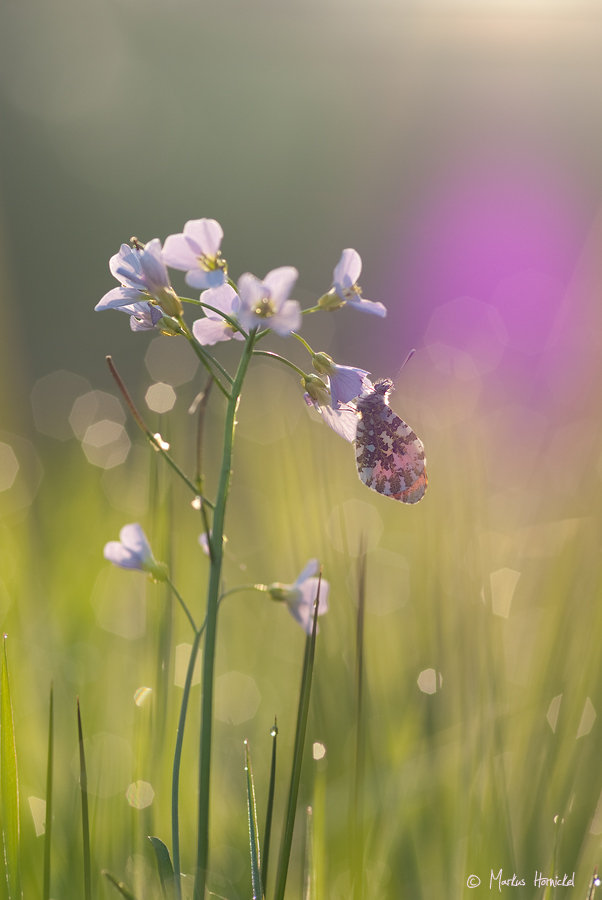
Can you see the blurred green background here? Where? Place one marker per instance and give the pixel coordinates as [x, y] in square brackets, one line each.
[456, 146]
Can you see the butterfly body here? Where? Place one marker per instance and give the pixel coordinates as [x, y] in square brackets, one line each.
[390, 458]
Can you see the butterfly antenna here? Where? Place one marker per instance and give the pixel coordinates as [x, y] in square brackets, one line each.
[404, 364]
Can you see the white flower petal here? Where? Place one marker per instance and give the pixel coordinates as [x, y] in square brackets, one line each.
[210, 331]
[311, 568]
[368, 306]
[287, 320]
[348, 269]
[121, 556]
[207, 234]
[280, 283]
[178, 253]
[133, 537]
[342, 420]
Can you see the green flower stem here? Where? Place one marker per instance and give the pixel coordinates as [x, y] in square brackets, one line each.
[206, 358]
[182, 604]
[281, 359]
[244, 587]
[305, 344]
[148, 433]
[177, 759]
[235, 325]
[312, 309]
[217, 545]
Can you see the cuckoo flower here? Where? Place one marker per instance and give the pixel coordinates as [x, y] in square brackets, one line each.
[213, 327]
[300, 596]
[345, 288]
[132, 551]
[197, 253]
[143, 276]
[342, 417]
[345, 382]
[143, 316]
[264, 304]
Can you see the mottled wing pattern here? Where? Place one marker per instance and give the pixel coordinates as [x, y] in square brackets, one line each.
[390, 458]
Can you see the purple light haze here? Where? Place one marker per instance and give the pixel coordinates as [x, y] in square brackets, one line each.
[508, 236]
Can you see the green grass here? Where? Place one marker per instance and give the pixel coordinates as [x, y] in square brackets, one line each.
[457, 782]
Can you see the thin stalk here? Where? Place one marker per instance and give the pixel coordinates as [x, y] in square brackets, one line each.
[202, 408]
[206, 358]
[235, 325]
[304, 342]
[312, 309]
[357, 848]
[217, 543]
[83, 784]
[182, 604]
[256, 880]
[303, 712]
[281, 359]
[267, 833]
[48, 824]
[148, 433]
[177, 759]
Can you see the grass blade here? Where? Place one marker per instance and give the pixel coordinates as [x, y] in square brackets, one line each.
[253, 834]
[49, 772]
[270, 808]
[305, 693]
[357, 836]
[83, 784]
[9, 784]
[119, 885]
[309, 870]
[164, 866]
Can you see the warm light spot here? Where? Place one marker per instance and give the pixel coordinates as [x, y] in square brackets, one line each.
[142, 695]
[554, 709]
[183, 652]
[236, 698]
[503, 583]
[140, 794]
[9, 467]
[38, 813]
[427, 681]
[318, 750]
[587, 719]
[160, 397]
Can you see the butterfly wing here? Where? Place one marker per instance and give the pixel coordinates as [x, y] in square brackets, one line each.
[390, 458]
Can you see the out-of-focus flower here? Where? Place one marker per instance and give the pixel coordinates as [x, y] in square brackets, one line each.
[213, 327]
[132, 551]
[346, 290]
[264, 304]
[143, 316]
[196, 252]
[204, 543]
[342, 418]
[345, 382]
[301, 595]
[143, 276]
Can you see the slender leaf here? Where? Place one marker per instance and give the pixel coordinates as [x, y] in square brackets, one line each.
[9, 786]
[305, 693]
[253, 835]
[270, 808]
[119, 885]
[83, 784]
[309, 871]
[49, 774]
[357, 835]
[164, 866]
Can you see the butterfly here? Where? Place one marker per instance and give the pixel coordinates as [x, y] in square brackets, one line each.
[390, 458]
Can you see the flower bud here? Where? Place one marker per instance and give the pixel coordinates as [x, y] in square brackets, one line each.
[323, 363]
[330, 301]
[282, 593]
[169, 302]
[168, 326]
[156, 571]
[317, 389]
